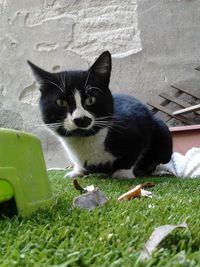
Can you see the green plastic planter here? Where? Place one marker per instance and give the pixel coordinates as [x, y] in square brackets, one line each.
[23, 172]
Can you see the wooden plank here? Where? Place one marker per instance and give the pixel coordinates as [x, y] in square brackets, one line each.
[166, 101]
[156, 108]
[159, 107]
[186, 91]
[169, 112]
[187, 110]
[175, 100]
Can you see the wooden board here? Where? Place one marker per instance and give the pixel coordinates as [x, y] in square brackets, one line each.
[186, 91]
[177, 101]
[169, 112]
[187, 113]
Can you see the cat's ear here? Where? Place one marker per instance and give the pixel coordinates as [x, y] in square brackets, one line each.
[102, 66]
[41, 75]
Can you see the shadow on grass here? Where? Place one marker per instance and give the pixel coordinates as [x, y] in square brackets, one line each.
[8, 208]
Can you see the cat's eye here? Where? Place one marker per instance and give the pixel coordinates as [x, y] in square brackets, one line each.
[61, 103]
[90, 100]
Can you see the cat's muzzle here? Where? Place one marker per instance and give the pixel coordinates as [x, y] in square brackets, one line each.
[83, 122]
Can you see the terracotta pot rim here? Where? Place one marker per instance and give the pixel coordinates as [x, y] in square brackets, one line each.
[185, 128]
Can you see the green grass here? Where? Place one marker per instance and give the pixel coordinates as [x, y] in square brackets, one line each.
[111, 235]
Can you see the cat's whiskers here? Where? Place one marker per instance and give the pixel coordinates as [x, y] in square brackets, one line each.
[61, 79]
[63, 76]
[111, 128]
[54, 126]
[88, 88]
[115, 118]
[60, 88]
[105, 124]
[112, 122]
[54, 123]
[87, 78]
[50, 125]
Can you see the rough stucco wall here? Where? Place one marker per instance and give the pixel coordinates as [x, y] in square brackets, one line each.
[154, 43]
[169, 33]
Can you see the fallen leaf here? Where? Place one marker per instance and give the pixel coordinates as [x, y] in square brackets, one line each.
[146, 193]
[82, 190]
[156, 237]
[148, 184]
[90, 200]
[77, 186]
[91, 197]
[135, 192]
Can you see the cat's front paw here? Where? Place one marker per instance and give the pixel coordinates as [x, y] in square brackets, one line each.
[74, 173]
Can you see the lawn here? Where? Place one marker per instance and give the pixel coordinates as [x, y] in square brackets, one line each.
[111, 235]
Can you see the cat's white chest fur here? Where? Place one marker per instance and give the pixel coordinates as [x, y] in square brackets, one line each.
[88, 149]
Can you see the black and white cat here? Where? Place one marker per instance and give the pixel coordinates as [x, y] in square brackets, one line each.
[102, 132]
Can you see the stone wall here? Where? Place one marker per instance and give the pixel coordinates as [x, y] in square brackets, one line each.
[153, 43]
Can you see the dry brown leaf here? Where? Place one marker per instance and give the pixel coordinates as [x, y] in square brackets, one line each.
[82, 190]
[77, 186]
[135, 192]
[156, 237]
[148, 184]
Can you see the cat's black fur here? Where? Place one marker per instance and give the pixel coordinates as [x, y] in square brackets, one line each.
[135, 137]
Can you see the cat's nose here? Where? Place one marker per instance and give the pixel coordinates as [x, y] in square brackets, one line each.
[82, 122]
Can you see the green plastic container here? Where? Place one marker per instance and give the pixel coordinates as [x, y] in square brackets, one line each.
[6, 191]
[23, 172]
